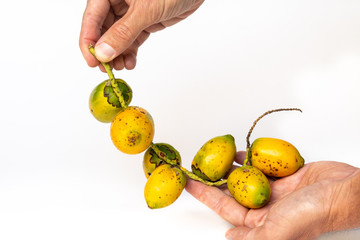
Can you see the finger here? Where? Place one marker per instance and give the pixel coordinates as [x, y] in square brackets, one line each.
[240, 157]
[286, 185]
[233, 167]
[155, 27]
[270, 231]
[224, 205]
[119, 62]
[279, 189]
[93, 18]
[102, 68]
[238, 233]
[247, 233]
[130, 61]
[130, 54]
[120, 36]
[172, 21]
[109, 20]
[120, 8]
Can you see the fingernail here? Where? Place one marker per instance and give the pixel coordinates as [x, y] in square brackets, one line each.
[104, 52]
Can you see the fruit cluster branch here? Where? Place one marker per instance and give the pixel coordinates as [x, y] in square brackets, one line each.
[112, 80]
[191, 175]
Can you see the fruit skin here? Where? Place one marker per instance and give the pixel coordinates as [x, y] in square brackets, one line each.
[249, 186]
[275, 157]
[164, 186]
[215, 158]
[103, 103]
[132, 130]
[152, 161]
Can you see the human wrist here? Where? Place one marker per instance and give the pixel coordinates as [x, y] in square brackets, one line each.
[344, 211]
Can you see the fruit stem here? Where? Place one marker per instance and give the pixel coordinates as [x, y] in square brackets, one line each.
[263, 115]
[112, 79]
[247, 160]
[191, 175]
[196, 178]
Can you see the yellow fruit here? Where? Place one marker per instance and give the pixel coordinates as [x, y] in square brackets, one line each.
[215, 158]
[164, 186]
[104, 104]
[249, 186]
[275, 157]
[132, 130]
[152, 161]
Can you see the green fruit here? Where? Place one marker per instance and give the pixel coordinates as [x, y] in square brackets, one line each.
[103, 102]
[164, 186]
[152, 161]
[249, 186]
[215, 158]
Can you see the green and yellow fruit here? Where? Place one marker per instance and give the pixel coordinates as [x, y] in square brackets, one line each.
[249, 186]
[132, 130]
[274, 157]
[164, 186]
[215, 158]
[152, 161]
[104, 104]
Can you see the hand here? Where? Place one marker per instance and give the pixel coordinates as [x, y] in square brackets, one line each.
[119, 27]
[318, 198]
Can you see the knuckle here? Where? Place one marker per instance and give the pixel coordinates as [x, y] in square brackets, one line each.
[220, 206]
[204, 195]
[123, 32]
[93, 18]
[136, 43]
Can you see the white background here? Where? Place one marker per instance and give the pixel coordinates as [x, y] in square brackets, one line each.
[212, 74]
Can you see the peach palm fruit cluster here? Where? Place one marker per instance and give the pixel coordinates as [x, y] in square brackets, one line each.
[132, 132]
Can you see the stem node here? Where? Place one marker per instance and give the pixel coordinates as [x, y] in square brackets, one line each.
[191, 175]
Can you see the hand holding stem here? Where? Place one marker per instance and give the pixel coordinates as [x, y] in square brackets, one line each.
[112, 80]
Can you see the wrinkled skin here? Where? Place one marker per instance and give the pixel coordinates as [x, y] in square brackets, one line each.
[320, 197]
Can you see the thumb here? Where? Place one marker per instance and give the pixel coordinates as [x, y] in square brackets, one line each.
[119, 36]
